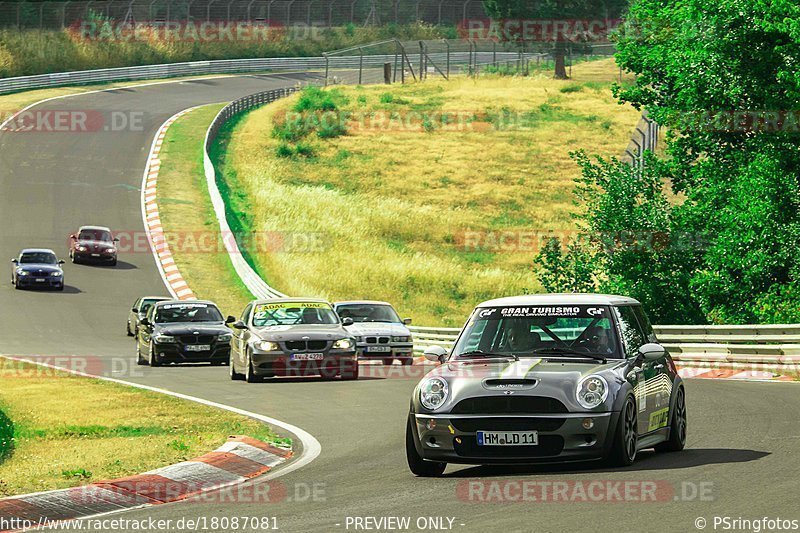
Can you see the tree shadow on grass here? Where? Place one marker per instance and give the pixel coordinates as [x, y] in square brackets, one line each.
[6, 437]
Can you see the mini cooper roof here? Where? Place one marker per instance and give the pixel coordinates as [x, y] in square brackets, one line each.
[90, 228]
[560, 299]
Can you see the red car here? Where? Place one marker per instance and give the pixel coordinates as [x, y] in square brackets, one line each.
[93, 244]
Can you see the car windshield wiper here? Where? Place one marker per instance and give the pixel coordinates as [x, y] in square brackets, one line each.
[569, 351]
[481, 353]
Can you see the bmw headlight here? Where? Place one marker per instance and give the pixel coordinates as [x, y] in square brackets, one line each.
[592, 391]
[55, 274]
[343, 344]
[400, 339]
[80, 248]
[109, 250]
[225, 337]
[21, 273]
[433, 393]
[162, 339]
[267, 346]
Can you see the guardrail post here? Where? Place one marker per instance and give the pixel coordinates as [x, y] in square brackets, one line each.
[387, 73]
[327, 67]
[447, 44]
[360, 65]
[421, 60]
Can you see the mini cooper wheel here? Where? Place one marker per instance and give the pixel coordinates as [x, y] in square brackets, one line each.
[235, 376]
[677, 426]
[249, 373]
[406, 361]
[626, 440]
[388, 362]
[419, 466]
[152, 358]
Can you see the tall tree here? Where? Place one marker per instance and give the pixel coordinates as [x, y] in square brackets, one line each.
[562, 20]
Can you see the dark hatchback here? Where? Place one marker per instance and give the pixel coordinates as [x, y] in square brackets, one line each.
[177, 331]
[37, 267]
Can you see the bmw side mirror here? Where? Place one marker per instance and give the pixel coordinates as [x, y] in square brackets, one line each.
[134, 310]
[116, 239]
[73, 237]
[347, 321]
[435, 354]
[60, 261]
[14, 261]
[239, 325]
[144, 321]
[230, 320]
[652, 351]
[407, 321]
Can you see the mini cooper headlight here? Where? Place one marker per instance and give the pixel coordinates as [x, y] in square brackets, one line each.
[433, 393]
[267, 346]
[592, 391]
[343, 344]
[225, 337]
[161, 339]
[400, 339]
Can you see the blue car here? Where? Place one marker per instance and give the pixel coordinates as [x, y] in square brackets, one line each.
[37, 267]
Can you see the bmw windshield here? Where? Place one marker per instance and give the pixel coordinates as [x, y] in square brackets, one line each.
[369, 313]
[38, 258]
[187, 312]
[551, 331]
[293, 313]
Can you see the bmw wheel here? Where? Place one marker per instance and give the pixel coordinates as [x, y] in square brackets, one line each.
[249, 373]
[419, 466]
[128, 329]
[626, 440]
[677, 426]
[235, 376]
[139, 359]
[152, 358]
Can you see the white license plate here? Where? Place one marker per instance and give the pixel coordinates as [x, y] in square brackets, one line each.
[40, 280]
[508, 438]
[308, 356]
[198, 347]
[95, 255]
[383, 349]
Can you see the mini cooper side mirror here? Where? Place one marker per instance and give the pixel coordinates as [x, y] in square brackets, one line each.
[652, 351]
[134, 310]
[73, 237]
[435, 354]
[347, 321]
[230, 320]
[407, 321]
[144, 321]
[116, 239]
[14, 261]
[239, 325]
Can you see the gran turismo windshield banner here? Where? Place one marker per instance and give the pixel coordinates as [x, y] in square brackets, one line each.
[572, 311]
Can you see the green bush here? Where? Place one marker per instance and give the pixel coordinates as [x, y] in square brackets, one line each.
[284, 150]
[6, 436]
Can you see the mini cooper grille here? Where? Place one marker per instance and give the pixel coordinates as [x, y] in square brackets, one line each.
[301, 346]
[196, 339]
[549, 445]
[507, 424]
[499, 405]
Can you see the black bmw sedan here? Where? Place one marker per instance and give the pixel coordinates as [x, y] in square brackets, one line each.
[177, 331]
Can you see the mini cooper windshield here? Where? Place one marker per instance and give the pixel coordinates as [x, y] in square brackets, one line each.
[187, 312]
[293, 313]
[569, 331]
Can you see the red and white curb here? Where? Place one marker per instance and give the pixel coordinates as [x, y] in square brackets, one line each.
[165, 261]
[233, 463]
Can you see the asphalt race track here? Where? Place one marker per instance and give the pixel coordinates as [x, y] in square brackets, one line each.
[743, 452]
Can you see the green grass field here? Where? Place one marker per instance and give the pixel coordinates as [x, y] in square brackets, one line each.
[69, 430]
[398, 207]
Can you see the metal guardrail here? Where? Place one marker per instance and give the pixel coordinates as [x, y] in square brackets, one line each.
[643, 139]
[773, 345]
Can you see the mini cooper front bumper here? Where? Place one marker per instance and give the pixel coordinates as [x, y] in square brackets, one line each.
[562, 437]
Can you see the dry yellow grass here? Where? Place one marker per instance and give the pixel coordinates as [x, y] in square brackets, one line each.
[71, 430]
[395, 204]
